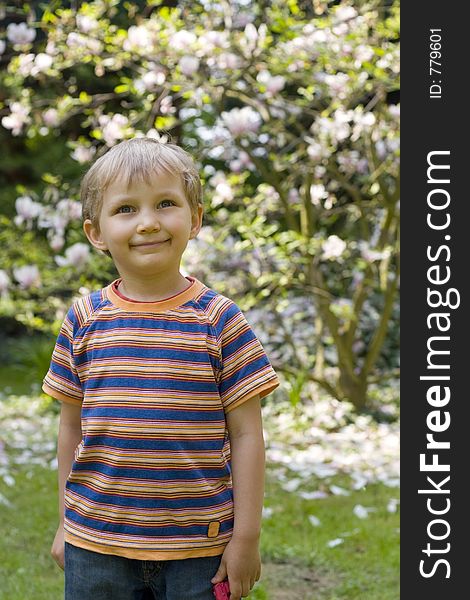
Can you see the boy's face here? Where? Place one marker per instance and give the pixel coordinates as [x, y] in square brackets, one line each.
[146, 228]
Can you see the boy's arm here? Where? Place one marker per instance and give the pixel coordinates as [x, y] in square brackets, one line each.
[241, 560]
[70, 436]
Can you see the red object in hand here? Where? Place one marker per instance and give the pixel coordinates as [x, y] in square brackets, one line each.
[221, 591]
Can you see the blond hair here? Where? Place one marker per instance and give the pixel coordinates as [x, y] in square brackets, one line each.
[137, 159]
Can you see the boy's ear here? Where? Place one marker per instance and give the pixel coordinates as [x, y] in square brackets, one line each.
[94, 235]
[196, 222]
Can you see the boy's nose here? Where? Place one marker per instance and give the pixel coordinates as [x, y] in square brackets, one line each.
[148, 222]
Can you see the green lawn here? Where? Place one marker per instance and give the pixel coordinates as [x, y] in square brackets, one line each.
[297, 562]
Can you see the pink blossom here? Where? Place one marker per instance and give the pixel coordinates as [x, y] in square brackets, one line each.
[50, 117]
[27, 276]
[4, 282]
[70, 209]
[56, 242]
[113, 128]
[243, 161]
[273, 84]
[76, 255]
[20, 33]
[26, 210]
[241, 121]
[166, 106]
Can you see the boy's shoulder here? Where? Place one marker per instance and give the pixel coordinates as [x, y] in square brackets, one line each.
[86, 306]
[218, 308]
[212, 300]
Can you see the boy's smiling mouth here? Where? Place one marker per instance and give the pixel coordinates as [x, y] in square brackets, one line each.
[149, 244]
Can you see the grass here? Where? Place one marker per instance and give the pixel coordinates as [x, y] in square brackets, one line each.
[297, 562]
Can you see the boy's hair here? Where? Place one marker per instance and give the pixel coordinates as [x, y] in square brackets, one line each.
[135, 160]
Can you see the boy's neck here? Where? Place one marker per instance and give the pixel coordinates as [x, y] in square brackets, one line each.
[152, 290]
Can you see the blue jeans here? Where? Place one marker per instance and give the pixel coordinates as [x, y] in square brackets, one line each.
[94, 576]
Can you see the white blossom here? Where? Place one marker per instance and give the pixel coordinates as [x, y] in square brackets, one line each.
[182, 40]
[335, 542]
[76, 40]
[362, 512]
[83, 154]
[138, 38]
[317, 193]
[333, 247]
[338, 491]
[371, 255]
[225, 61]
[189, 65]
[18, 117]
[315, 521]
[2, 46]
[315, 150]
[20, 33]
[150, 81]
[86, 23]
[345, 13]
[223, 193]
[42, 62]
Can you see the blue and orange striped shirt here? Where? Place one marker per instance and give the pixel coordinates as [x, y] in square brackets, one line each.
[151, 477]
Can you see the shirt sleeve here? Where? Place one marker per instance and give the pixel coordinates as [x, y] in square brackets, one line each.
[245, 368]
[62, 381]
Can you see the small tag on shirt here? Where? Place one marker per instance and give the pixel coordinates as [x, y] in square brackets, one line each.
[213, 530]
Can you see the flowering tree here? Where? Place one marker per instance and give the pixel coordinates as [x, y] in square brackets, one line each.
[289, 109]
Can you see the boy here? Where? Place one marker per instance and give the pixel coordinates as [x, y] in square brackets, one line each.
[160, 445]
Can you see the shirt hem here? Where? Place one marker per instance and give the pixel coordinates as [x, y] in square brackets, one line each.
[262, 390]
[144, 554]
[59, 396]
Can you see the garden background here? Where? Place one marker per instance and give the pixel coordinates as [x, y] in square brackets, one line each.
[291, 110]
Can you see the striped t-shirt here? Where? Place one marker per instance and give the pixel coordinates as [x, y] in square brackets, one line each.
[151, 477]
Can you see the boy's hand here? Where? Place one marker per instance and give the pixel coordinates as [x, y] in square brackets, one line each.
[241, 564]
[58, 546]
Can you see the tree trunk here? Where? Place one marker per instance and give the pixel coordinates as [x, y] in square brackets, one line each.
[354, 389]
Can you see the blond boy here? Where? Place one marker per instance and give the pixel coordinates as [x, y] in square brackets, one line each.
[160, 446]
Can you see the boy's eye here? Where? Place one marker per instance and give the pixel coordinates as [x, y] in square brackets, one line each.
[163, 202]
[124, 209]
